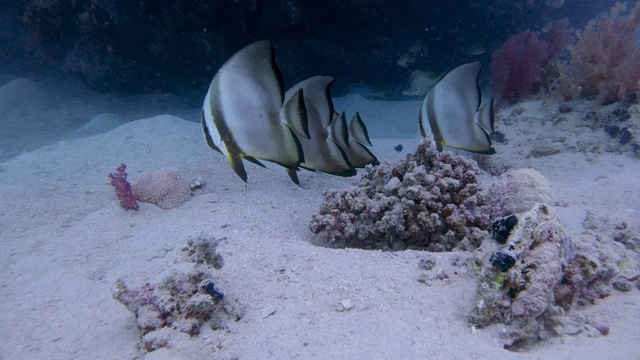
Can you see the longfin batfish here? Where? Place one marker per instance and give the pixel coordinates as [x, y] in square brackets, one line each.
[321, 152]
[451, 113]
[244, 115]
[353, 139]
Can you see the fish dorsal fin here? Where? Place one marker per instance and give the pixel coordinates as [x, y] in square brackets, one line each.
[358, 131]
[338, 130]
[294, 114]
[462, 82]
[317, 97]
[257, 61]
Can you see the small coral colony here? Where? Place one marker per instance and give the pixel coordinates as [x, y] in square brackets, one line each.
[247, 115]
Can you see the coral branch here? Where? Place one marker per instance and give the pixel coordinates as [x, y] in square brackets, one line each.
[123, 188]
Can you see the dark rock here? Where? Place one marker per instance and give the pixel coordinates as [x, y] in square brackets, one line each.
[398, 148]
[211, 290]
[612, 130]
[623, 285]
[625, 136]
[621, 114]
[502, 261]
[501, 228]
[565, 108]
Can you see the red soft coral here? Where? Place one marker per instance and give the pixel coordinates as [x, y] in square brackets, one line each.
[517, 68]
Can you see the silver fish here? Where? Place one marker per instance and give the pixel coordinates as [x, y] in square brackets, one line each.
[321, 151]
[353, 139]
[244, 115]
[451, 113]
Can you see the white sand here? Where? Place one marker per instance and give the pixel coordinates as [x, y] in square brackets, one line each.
[65, 240]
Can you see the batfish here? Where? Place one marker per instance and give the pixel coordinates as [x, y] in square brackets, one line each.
[321, 151]
[244, 115]
[451, 113]
[353, 139]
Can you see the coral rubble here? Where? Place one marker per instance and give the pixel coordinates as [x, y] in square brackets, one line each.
[534, 281]
[183, 299]
[432, 201]
[165, 188]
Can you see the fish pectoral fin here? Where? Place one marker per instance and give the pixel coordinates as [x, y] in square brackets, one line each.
[358, 130]
[235, 160]
[294, 114]
[254, 160]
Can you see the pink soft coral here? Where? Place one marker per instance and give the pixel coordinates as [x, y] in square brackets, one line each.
[605, 61]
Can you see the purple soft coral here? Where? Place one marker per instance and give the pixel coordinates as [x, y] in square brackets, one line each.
[123, 188]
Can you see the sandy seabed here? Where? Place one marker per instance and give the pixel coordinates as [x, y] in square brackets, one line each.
[64, 240]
